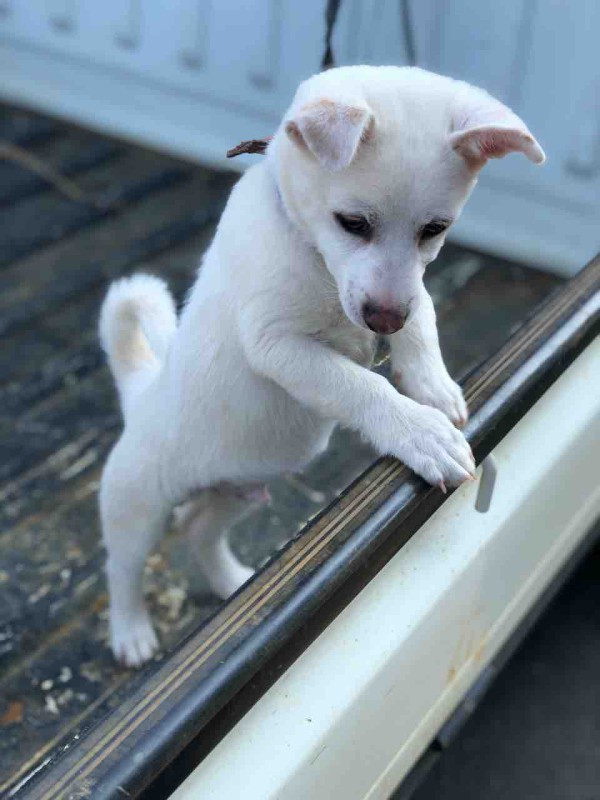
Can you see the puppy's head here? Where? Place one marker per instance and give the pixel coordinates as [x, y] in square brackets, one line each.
[375, 164]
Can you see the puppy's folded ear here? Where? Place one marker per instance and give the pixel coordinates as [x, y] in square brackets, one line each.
[331, 131]
[485, 128]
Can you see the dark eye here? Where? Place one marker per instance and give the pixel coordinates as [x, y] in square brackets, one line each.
[354, 224]
[433, 228]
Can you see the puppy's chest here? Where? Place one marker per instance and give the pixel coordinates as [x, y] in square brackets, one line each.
[350, 341]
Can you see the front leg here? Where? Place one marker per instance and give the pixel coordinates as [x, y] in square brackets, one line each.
[418, 369]
[337, 388]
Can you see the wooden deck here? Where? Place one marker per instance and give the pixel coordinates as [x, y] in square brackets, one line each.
[58, 414]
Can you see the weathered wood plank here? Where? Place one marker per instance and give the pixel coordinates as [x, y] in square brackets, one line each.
[24, 127]
[107, 249]
[494, 302]
[63, 345]
[47, 427]
[38, 489]
[54, 662]
[70, 153]
[63, 350]
[49, 216]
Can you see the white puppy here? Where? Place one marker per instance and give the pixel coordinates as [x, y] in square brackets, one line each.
[322, 246]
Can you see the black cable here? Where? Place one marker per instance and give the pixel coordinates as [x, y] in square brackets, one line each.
[409, 34]
[331, 13]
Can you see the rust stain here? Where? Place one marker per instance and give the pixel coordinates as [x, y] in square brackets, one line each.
[475, 653]
[470, 645]
[13, 714]
[479, 651]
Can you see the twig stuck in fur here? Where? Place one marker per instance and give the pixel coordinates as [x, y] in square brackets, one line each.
[249, 146]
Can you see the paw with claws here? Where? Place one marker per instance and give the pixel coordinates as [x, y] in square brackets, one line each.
[434, 448]
[434, 387]
[132, 638]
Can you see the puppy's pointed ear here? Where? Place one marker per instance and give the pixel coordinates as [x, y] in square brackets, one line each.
[331, 131]
[485, 128]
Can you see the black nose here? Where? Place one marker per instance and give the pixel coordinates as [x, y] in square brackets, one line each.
[383, 320]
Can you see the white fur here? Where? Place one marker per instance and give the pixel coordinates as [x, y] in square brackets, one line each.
[271, 350]
[137, 322]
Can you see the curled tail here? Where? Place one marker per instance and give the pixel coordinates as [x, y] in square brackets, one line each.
[137, 322]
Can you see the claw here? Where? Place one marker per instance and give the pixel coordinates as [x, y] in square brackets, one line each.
[442, 486]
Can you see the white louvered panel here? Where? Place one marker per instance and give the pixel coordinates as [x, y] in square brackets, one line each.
[128, 30]
[483, 44]
[195, 31]
[264, 55]
[370, 32]
[382, 33]
[63, 14]
[196, 76]
[558, 88]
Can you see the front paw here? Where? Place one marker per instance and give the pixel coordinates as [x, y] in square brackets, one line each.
[132, 638]
[434, 449]
[435, 388]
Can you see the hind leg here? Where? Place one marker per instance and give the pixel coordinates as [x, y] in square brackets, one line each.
[133, 520]
[207, 520]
